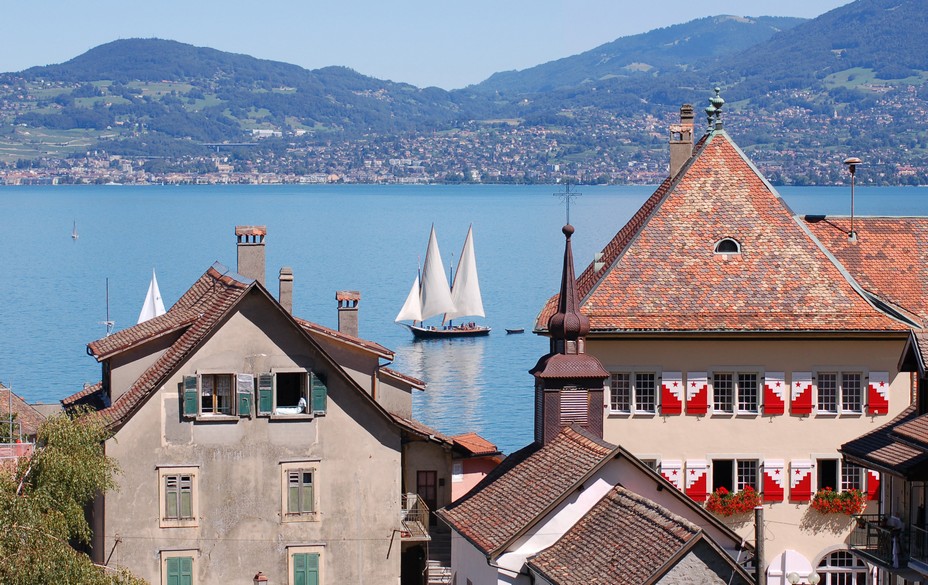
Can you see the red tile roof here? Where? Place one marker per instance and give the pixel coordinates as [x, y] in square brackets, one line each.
[889, 258]
[623, 540]
[414, 382]
[322, 333]
[662, 272]
[28, 418]
[474, 444]
[523, 487]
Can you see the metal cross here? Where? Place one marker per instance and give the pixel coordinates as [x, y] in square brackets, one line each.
[566, 196]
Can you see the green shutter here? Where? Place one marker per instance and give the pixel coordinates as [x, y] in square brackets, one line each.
[306, 497]
[293, 492]
[306, 569]
[319, 393]
[186, 496]
[190, 395]
[173, 569]
[170, 496]
[245, 388]
[186, 570]
[265, 393]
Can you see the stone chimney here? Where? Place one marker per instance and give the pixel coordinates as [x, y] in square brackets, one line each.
[681, 140]
[348, 311]
[251, 251]
[286, 289]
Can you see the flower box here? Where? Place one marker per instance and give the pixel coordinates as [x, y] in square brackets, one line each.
[828, 501]
[725, 503]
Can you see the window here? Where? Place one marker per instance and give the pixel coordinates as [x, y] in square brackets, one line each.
[827, 473]
[299, 491]
[840, 392]
[292, 393]
[633, 392]
[178, 501]
[728, 246]
[734, 392]
[843, 568]
[852, 477]
[177, 567]
[218, 394]
[734, 474]
[306, 566]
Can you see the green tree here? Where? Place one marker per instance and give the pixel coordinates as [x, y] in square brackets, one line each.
[42, 503]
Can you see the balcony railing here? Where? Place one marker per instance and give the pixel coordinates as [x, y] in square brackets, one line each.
[15, 450]
[414, 518]
[872, 538]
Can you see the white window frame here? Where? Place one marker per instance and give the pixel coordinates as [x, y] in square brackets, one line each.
[839, 393]
[180, 553]
[738, 482]
[285, 468]
[736, 390]
[633, 391]
[841, 479]
[167, 471]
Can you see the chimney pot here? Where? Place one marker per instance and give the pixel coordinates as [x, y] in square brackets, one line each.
[286, 288]
[681, 139]
[348, 301]
[251, 251]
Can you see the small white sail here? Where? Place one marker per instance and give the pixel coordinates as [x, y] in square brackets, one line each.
[153, 305]
[465, 291]
[412, 308]
[436, 294]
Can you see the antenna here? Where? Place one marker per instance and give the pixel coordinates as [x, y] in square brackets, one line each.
[565, 196]
[110, 324]
[851, 163]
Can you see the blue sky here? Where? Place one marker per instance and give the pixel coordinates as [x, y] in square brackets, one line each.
[423, 42]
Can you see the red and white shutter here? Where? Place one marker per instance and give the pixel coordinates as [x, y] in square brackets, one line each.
[800, 395]
[697, 393]
[672, 393]
[774, 480]
[873, 485]
[672, 471]
[774, 392]
[697, 479]
[878, 393]
[800, 480]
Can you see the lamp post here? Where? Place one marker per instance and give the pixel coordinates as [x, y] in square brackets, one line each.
[812, 578]
[851, 164]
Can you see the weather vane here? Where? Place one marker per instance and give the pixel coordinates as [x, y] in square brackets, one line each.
[566, 196]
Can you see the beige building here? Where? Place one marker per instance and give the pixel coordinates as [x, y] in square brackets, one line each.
[252, 441]
[745, 344]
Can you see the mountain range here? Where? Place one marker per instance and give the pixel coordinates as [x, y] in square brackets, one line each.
[802, 93]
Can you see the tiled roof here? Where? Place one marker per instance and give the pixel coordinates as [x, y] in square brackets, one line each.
[889, 258]
[28, 418]
[89, 390]
[623, 540]
[914, 431]
[414, 382]
[662, 272]
[881, 448]
[421, 429]
[319, 331]
[523, 487]
[474, 444]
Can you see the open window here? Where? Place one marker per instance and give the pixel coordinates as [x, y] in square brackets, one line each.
[209, 394]
[292, 393]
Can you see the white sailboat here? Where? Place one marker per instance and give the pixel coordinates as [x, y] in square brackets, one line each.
[430, 294]
[153, 305]
[74, 235]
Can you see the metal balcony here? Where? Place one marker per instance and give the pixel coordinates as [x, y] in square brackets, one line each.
[414, 518]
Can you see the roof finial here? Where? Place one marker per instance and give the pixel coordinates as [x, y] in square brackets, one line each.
[714, 111]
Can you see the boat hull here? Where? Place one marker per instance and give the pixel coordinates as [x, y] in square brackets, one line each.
[446, 333]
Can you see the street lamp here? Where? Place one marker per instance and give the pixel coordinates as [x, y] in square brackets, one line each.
[812, 578]
[851, 163]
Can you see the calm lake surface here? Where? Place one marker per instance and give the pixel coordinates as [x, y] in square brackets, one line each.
[344, 237]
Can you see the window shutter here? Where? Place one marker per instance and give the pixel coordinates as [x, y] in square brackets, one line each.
[800, 480]
[245, 385]
[672, 470]
[574, 405]
[190, 396]
[672, 393]
[696, 479]
[878, 393]
[306, 497]
[774, 388]
[265, 393]
[171, 496]
[697, 393]
[172, 565]
[774, 480]
[305, 569]
[186, 570]
[319, 393]
[186, 496]
[801, 393]
[293, 492]
[873, 485]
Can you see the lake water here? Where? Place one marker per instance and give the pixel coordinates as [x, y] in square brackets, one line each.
[364, 237]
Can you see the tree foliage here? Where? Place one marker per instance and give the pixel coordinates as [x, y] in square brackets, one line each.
[42, 503]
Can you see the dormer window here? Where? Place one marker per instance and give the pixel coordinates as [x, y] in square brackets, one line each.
[728, 246]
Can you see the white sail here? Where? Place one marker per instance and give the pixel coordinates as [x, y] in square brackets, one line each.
[153, 305]
[435, 294]
[412, 308]
[465, 291]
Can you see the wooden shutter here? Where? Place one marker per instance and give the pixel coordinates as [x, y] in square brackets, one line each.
[245, 387]
[801, 393]
[186, 496]
[672, 393]
[179, 570]
[293, 491]
[697, 479]
[171, 496]
[774, 480]
[306, 491]
[574, 405]
[306, 569]
[190, 396]
[800, 480]
[697, 393]
[265, 393]
[878, 393]
[319, 393]
[873, 485]
[774, 390]
[672, 470]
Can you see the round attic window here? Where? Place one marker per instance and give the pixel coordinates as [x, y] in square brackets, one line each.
[728, 246]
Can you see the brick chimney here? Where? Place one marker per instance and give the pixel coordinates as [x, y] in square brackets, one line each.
[348, 311]
[286, 288]
[251, 251]
[681, 140]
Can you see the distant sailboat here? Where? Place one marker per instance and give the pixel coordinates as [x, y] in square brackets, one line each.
[153, 305]
[74, 235]
[431, 296]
